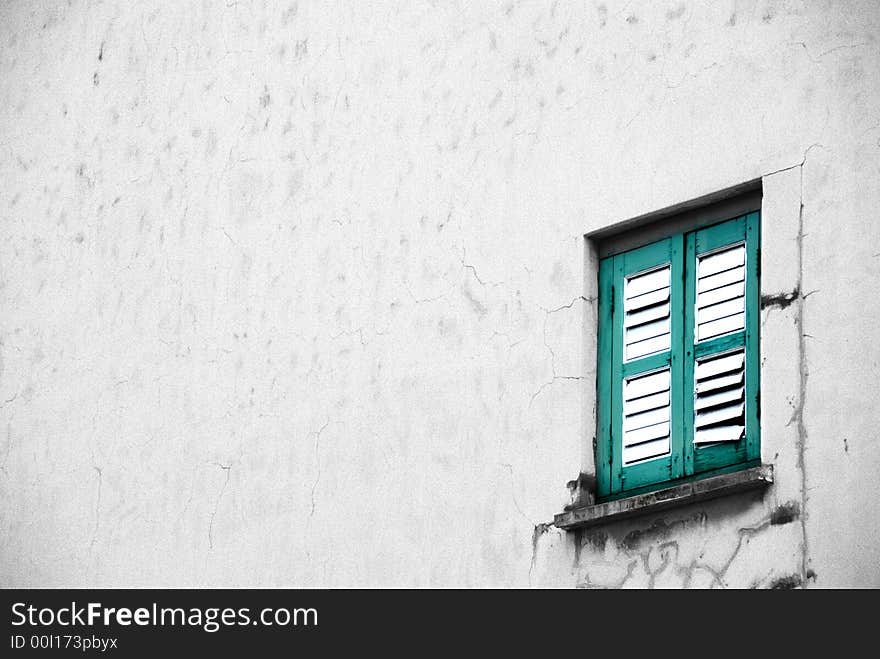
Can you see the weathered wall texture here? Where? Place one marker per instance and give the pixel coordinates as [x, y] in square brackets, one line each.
[296, 294]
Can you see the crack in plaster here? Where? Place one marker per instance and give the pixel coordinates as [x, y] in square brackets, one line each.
[797, 417]
[555, 377]
[468, 266]
[509, 468]
[803, 375]
[97, 507]
[643, 556]
[317, 464]
[217, 505]
[818, 58]
[797, 164]
[427, 299]
[359, 332]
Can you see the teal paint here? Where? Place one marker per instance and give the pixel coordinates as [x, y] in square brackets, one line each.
[686, 460]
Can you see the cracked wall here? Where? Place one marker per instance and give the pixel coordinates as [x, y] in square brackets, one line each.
[297, 295]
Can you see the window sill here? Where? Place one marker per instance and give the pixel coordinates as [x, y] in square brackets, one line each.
[678, 495]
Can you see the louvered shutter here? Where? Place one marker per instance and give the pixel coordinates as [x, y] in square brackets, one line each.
[678, 357]
[645, 376]
[722, 327]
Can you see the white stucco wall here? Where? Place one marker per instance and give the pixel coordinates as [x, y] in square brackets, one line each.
[296, 294]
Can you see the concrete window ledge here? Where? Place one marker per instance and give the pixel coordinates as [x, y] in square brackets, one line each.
[678, 495]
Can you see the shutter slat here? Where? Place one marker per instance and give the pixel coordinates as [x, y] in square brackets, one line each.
[729, 396]
[706, 284]
[645, 385]
[649, 330]
[654, 449]
[720, 310]
[646, 315]
[647, 347]
[727, 259]
[648, 299]
[719, 434]
[645, 419]
[721, 326]
[646, 403]
[647, 282]
[720, 414]
[722, 294]
[704, 386]
[709, 368]
[646, 434]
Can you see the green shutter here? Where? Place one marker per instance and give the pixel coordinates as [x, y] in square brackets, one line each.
[700, 459]
[621, 362]
[615, 369]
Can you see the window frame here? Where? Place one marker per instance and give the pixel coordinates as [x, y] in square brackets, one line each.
[685, 461]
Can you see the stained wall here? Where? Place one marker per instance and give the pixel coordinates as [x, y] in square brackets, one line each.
[298, 294]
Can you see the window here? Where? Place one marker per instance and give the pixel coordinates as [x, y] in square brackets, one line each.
[678, 371]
